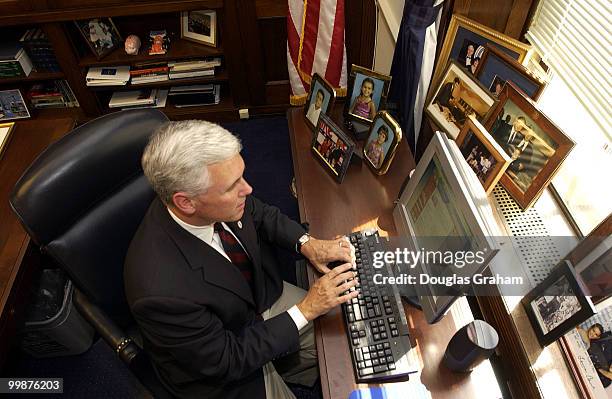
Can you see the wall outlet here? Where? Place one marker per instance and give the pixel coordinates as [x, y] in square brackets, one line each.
[244, 113]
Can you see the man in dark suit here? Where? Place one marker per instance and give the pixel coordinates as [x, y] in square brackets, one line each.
[202, 281]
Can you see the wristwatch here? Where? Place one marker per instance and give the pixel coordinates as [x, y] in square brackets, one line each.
[301, 241]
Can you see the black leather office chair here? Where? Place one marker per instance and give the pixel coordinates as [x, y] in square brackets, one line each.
[81, 201]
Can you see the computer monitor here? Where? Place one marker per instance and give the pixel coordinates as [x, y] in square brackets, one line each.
[436, 209]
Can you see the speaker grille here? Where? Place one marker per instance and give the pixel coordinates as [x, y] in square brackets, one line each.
[537, 252]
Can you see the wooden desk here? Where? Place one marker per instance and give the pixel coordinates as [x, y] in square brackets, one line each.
[365, 200]
[28, 139]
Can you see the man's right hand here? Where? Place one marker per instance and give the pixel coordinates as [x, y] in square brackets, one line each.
[328, 292]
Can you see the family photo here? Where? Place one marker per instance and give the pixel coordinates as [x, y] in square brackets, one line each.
[457, 97]
[522, 139]
[477, 156]
[470, 55]
[332, 149]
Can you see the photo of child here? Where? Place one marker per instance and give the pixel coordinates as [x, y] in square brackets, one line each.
[363, 105]
[375, 151]
[315, 108]
[320, 100]
[367, 93]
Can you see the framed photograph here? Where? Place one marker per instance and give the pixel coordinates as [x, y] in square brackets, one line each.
[200, 26]
[332, 147]
[457, 96]
[101, 35]
[465, 43]
[537, 147]
[384, 137]
[12, 105]
[5, 135]
[497, 67]
[486, 158]
[368, 93]
[320, 100]
[557, 305]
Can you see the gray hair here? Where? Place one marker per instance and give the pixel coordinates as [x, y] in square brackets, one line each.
[178, 153]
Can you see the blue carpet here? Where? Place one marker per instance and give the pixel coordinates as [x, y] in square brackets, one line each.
[98, 373]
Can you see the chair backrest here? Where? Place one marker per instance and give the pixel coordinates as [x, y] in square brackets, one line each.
[83, 198]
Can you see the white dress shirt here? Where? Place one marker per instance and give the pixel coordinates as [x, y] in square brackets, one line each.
[210, 237]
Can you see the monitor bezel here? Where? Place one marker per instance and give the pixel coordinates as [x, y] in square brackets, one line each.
[434, 309]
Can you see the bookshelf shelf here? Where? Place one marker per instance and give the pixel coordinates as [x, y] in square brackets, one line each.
[220, 77]
[179, 50]
[34, 77]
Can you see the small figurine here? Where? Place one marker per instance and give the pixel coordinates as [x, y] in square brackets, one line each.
[158, 42]
[132, 45]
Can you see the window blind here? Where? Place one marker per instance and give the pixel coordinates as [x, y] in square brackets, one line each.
[573, 38]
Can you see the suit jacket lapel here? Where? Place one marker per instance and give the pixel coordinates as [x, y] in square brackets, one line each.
[216, 269]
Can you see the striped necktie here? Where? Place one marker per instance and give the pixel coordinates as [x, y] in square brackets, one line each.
[236, 253]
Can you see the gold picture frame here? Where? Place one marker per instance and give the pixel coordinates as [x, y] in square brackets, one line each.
[458, 95]
[486, 158]
[462, 31]
[311, 116]
[6, 129]
[379, 92]
[379, 155]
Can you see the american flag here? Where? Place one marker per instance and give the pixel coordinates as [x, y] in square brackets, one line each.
[315, 43]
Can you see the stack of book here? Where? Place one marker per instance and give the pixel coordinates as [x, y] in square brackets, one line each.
[52, 94]
[14, 61]
[193, 68]
[149, 72]
[108, 76]
[145, 98]
[38, 47]
[195, 95]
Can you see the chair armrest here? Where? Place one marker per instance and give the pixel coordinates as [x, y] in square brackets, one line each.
[108, 330]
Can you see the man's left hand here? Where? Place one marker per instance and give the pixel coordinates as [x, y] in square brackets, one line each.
[322, 252]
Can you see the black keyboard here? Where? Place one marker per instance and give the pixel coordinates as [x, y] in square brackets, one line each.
[376, 324]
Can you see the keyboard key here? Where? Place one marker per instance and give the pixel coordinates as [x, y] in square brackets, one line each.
[380, 369]
[358, 355]
[372, 348]
[356, 342]
[391, 366]
[383, 335]
[362, 333]
[386, 345]
[379, 347]
[366, 356]
[376, 337]
[388, 352]
[365, 350]
[355, 334]
[351, 318]
[360, 365]
[389, 359]
[375, 362]
[366, 371]
[380, 353]
[381, 322]
[394, 333]
[368, 363]
[391, 319]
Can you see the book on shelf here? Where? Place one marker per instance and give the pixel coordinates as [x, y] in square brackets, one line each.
[14, 61]
[193, 65]
[40, 51]
[108, 76]
[195, 95]
[160, 101]
[191, 74]
[132, 98]
[52, 94]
